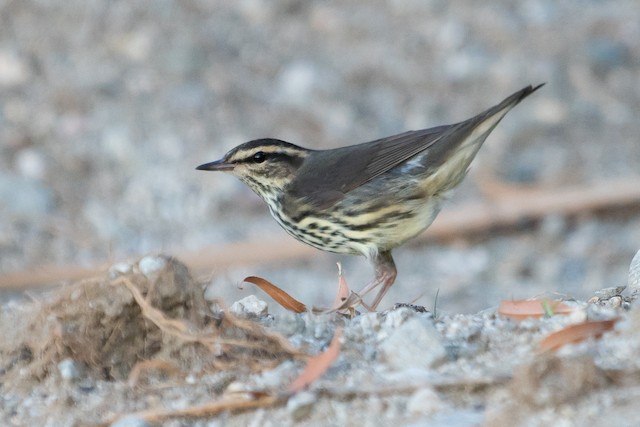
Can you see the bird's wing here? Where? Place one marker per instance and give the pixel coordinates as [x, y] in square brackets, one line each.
[334, 173]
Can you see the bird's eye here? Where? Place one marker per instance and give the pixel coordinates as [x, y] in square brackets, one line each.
[259, 157]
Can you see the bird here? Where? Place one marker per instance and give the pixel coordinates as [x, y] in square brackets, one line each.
[368, 198]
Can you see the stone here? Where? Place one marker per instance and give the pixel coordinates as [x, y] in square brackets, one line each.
[69, 369]
[415, 344]
[151, 265]
[249, 306]
[301, 404]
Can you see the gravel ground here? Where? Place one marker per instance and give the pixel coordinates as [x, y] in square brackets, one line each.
[107, 107]
[67, 360]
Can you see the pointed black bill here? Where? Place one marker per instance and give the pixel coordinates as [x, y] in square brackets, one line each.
[218, 165]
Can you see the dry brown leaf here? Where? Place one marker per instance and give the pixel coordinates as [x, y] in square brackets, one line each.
[279, 296]
[575, 333]
[317, 365]
[523, 309]
[343, 290]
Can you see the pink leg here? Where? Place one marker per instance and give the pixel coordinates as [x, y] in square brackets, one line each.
[385, 275]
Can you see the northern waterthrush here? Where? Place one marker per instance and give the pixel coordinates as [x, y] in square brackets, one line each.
[364, 199]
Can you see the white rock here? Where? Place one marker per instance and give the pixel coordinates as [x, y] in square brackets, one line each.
[301, 404]
[415, 344]
[150, 265]
[249, 306]
[119, 269]
[69, 369]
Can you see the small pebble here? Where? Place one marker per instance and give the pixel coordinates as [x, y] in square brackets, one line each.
[119, 269]
[249, 306]
[239, 390]
[301, 404]
[150, 265]
[416, 343]
[615, 302]
[69, 369]
[607, 293]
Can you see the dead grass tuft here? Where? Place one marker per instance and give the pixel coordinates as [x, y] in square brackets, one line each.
[119, 327]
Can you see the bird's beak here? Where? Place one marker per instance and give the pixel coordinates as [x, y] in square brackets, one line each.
[218, 165]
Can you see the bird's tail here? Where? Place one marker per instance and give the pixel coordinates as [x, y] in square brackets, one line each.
[459, 144]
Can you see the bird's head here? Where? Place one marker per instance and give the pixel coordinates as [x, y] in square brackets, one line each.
[267, 166]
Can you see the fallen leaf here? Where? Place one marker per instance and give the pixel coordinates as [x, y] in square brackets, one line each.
[317, 365]
[575, 333]
[343, 289]
[280, 296]
[523, 309]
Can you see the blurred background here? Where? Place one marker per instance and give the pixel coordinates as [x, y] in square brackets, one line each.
[106, 107]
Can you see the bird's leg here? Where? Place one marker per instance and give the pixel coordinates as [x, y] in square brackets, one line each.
[385, 275]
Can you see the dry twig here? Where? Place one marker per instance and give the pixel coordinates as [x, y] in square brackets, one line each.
[506, 209]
